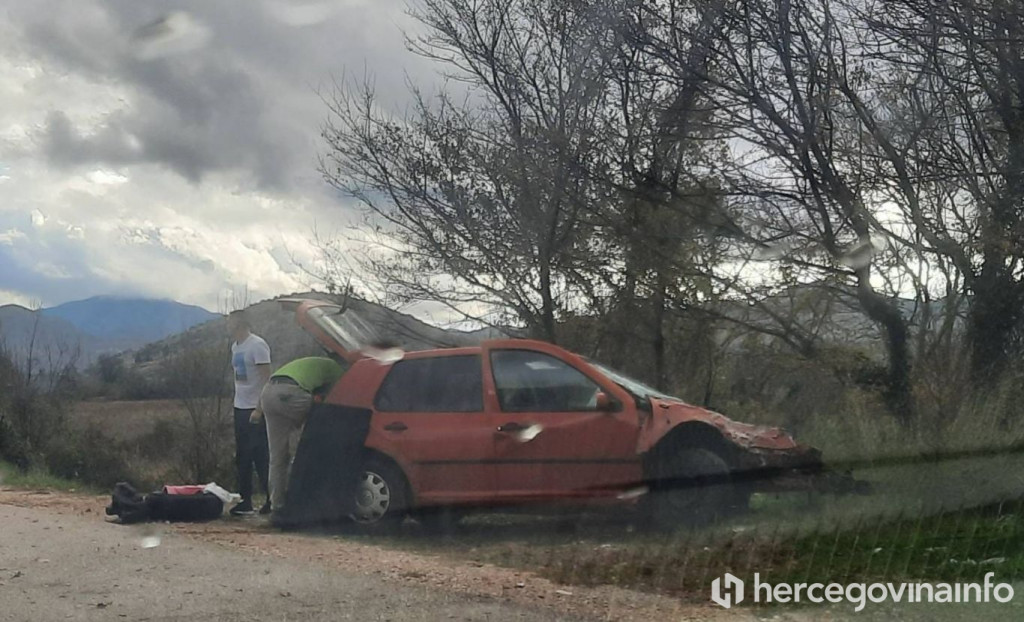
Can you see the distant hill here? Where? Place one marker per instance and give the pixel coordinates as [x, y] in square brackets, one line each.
[97, 326]
[135, 320]
[23, 330]
[288, 340]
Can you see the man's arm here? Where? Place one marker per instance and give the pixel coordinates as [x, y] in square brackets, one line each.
[263, 375]
[261, 357]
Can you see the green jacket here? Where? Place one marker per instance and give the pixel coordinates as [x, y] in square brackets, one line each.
[312, 373]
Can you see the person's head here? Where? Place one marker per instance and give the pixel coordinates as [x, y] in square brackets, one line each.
[238, 325]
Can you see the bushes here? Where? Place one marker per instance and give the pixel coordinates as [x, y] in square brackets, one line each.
[193, 444]
[89, 457]
[28, 422]
[162, 455]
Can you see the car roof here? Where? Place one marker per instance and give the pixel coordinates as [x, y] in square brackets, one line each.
[302, 305]
[512, 343]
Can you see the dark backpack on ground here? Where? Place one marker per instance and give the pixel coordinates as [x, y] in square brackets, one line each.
[127, 504]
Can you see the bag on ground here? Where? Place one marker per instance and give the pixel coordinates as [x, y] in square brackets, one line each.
[173, 503]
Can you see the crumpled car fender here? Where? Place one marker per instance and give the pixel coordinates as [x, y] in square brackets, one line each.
[667, 415]
[751, 447]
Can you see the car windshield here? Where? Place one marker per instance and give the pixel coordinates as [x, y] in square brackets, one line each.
[634, 386]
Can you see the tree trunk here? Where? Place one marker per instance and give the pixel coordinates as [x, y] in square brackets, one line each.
[994, 316]
[547, 318]
[658, 341]
[898, 393]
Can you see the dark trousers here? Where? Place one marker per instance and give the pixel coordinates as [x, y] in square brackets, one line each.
[251, 450]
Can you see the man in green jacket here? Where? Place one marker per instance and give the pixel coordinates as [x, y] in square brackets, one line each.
[285, 402]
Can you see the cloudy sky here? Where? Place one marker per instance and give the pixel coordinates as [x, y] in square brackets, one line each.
[176, 158]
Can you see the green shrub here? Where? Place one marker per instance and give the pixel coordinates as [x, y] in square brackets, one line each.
[90, 457]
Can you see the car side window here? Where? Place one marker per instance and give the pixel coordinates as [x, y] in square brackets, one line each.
[438, 384]
[532, 381]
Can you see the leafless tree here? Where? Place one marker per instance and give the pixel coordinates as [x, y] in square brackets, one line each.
[949, 123]
[38, 381]
[793, 169]
[197, 376]
[476, 199]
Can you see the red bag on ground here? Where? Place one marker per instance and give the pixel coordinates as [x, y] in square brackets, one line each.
[184, 490]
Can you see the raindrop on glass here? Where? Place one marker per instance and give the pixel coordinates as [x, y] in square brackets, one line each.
[172, 34]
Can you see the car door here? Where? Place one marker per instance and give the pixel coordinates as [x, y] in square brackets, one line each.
[550, 438]
[430, 417]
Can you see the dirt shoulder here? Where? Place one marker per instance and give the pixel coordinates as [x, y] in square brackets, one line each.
[401, 569]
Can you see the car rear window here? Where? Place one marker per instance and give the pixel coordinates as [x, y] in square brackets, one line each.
[439, 384]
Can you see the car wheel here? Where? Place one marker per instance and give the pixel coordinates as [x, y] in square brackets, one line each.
[691, 488]
[380, 496]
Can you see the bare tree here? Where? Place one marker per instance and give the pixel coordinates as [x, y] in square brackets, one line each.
[197, 376]
[476, 199]
[793, 169]
[38, 381]
[951, 132]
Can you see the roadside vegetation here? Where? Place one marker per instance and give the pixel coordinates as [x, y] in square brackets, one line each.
[37, 479]
[61, 422]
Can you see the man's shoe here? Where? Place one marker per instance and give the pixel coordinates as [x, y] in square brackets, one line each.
[265, 509]
[242, 509]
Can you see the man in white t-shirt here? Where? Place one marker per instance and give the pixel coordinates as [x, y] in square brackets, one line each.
[250, 360]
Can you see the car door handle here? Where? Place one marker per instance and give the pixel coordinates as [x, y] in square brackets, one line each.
[396, 426]
[512, 426]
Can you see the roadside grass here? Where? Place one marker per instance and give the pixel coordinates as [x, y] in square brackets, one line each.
[600, 549]
[931, 521]
[960, 545]
[38, 479]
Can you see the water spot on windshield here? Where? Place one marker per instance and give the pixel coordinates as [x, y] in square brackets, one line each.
[775, 250]
[172, 34]
[530, 433]
[150, 537]
[860, 254]
[384, 356]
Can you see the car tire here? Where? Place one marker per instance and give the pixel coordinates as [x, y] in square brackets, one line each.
[381, 497]
[691, 488]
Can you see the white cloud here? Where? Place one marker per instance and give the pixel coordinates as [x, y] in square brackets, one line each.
[8, 297]
[106, 178]
[184, 175]
[8, 237]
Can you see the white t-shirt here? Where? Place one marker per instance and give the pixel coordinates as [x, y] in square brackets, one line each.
[245, 357]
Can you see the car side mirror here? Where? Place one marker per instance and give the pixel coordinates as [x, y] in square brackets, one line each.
[606, 404]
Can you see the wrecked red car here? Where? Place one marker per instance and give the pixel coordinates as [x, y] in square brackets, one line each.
[516, 421]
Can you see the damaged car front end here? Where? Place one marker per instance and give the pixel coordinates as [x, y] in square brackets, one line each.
[759, 458]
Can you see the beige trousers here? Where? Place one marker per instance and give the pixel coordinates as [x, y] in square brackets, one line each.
[285, 407]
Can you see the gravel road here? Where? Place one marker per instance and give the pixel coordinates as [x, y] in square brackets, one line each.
[55, 567]
[59, 560]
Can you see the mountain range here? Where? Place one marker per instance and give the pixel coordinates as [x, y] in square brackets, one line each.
[148, 331]
[95, 326]
[276, 324]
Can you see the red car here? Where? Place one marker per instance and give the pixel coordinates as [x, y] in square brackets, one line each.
[516, 421]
